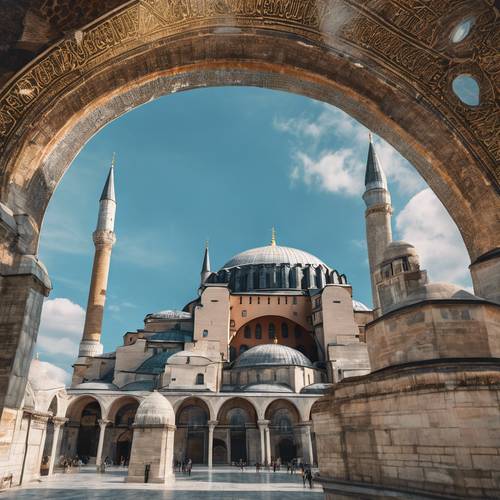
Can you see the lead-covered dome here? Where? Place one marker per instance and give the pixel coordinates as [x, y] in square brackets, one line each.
[272, 355]
[273, 254]
[154, 410]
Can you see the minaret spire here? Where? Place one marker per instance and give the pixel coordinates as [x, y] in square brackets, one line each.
[377, 215]
[205, 268]
[273, 236]
[104, 239]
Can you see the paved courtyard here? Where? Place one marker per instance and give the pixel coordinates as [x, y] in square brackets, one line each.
[220, 484]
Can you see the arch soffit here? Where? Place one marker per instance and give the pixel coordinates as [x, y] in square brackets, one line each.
[206, 404]
[77, 403]
[221, 406]
[114, 406]
[459, 159]
[287, 403]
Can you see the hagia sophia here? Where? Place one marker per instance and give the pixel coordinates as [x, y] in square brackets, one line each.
[236, 374]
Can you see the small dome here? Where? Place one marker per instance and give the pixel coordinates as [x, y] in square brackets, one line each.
[359, 306]
[272, 355]
[397, 249]
[155, 410]
[436, 291]
[176, 358]
[169, 314]
[273, 254]
[318, 388]
[96, 385]
[156, 363]
[45, 376]
[267, 388]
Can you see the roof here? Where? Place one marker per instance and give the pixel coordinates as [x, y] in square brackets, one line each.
[172, 336]
[139, 385]
[359, 306]
[267, 388]
[273, 254]
[156, 363]
[96, 385]
[318, 388]
[272, 355]
[374, 175]
[108, 193]
[169, 314]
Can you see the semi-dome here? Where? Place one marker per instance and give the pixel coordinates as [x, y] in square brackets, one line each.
[272, 355]
[263, 387]
[273, 254]
[169, 314]
[154, 410]
[399, 248]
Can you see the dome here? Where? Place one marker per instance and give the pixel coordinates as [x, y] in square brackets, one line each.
[156, 363]
[317, 388]
[359, 306]
[96, 385]
[273, 254]
[397, 249]
[155, 410]
[176, 358]
[436, 291]
[267, 388]
[271, 355]
[139, 385]
[169, 314]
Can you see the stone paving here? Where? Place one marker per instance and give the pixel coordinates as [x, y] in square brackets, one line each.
[221, 484]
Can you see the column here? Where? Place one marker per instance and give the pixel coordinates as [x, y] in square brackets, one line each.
[58, 423]
[268, 445]
[102, 430]
[262, 428]
[309, 442]
[211, 427]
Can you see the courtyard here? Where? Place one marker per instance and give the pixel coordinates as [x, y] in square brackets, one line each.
[220, 483]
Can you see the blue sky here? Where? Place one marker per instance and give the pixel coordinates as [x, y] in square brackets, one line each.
[223, 164]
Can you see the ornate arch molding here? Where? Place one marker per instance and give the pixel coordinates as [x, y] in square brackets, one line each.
[389, 63]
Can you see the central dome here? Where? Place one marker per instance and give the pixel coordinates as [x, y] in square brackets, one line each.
[272, 355]
[273, 254]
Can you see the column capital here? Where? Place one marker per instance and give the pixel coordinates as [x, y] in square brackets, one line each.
[263, 423]
[59, 421]
[103, 422]
[212, 423]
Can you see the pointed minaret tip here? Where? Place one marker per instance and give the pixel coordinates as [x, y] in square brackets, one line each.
[206, 259]
[374, 175]
[273, 236]
[108, 193]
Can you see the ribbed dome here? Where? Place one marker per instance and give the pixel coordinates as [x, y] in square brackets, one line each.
[271, 355]
[155, 410]
[273, 254]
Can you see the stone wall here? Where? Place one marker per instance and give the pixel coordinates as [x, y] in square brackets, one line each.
[433, 427]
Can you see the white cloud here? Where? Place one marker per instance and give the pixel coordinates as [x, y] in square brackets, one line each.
[425, 223]
[61, 328]
[319, 168]
[336, 172]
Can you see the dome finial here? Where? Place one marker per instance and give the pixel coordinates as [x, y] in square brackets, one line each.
[273, 236]
[275, 340]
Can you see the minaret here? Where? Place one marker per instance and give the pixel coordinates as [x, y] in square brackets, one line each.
[205, 268]
[104, 239]
[377, 215]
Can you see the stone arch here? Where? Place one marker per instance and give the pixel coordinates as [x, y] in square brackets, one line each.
[75, 408]
[54, 406]
[282, 404]
[119, 403]
[178, 405]
[223, 416]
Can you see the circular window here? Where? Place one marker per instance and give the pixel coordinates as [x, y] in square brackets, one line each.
[461, 30]
[466, 89]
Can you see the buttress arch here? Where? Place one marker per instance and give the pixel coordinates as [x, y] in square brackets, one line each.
[390, 65]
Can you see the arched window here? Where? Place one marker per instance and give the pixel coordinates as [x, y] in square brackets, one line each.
[200, 379]
[243, 348]
[232, 353]
[248, 332]
[284, 330]
[258, 331]
[272, 331]
[297, 332]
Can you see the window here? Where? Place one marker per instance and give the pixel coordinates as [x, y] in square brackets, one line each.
[317, 302]
[294, 301]
[284, 330]
[272, 331]
[250, 300]
[269, 300]
[258, 331]
[258, 300]
[205, 333]
[241, 299]
[297, 332]
[248, 332]
[200, 379]
[278, 301]
[244, 313]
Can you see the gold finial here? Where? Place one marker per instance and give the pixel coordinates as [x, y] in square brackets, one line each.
[273, 237]
[275, 339]
[113, 159]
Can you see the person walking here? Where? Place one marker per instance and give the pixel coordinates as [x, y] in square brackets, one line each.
[309, 477]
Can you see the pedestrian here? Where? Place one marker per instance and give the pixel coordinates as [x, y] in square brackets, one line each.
[309, 477]
[189, 466]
